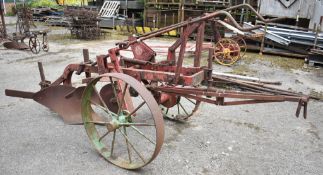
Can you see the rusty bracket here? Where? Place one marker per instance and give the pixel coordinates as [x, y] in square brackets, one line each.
[43, 83]
[301, 103]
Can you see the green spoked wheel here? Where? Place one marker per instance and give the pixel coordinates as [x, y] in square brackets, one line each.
[132, 132]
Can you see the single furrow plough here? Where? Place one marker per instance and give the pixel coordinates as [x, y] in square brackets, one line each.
[123, 100]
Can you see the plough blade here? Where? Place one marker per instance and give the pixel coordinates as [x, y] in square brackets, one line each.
[15, 45]
[64, 100]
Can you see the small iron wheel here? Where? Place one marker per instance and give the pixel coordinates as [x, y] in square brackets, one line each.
[182, 110]
[226, 52]
[132, 134]
[45, 43]
[34, 45]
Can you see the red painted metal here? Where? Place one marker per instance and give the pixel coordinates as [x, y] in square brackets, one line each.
[141, 51]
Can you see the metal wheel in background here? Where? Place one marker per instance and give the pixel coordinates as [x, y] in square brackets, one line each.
[242, 44]
[45, 46]
[226, 52]
[132, 133]
[34, 45]
[173, 106]
[182, 109]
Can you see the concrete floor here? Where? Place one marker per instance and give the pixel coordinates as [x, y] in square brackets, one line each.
[249, 139]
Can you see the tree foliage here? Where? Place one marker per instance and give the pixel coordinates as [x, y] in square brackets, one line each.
[42, 3]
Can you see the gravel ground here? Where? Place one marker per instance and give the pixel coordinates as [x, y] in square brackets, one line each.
[249, 139]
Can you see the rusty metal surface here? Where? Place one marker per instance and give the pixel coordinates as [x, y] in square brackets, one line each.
[15, 45]
[64, 100]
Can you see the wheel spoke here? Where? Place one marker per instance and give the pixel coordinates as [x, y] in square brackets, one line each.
[135, 110]
[141, 133]
[113, 140]
[128, 149]
[221, 45]
[97, 122]
[101, 100]
[136, 124]
[234, 51]
[190, 100]
[183, 109]
[105, 134]
[178, 109]
[106, 109]
[126, 137]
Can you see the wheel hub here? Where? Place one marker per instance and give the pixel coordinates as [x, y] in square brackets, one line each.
[122, 120]
[226, 51]
[113, 125]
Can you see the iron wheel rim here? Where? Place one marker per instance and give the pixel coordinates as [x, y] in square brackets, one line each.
[93, 134]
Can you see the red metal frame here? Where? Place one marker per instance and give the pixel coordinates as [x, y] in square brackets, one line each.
[171, 73]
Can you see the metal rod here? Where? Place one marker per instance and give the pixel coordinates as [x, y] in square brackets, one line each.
[41, 71]
[130, 143]
[86, 57]
[135, 110]
[128, 149]
[141, 133]
[209, 16]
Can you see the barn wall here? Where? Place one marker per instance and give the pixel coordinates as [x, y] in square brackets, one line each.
[276, 9]
[318, 13]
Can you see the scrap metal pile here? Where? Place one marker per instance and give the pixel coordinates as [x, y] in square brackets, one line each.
[287, 41]
[123, 100]
[43, 13]
[83, 23]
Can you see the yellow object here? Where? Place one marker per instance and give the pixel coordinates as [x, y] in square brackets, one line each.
[139, 30]
[147, 29]
[172, 33]
[118, 28]
[226, 52]
[131, 29]
[142, 30]
[72, 2]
